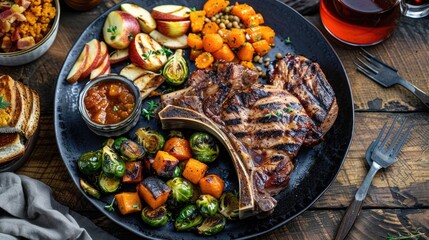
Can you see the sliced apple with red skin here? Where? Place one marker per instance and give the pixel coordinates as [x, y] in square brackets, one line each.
[93, 58]
[103, 52]
[78, 66]
[146, 21]
[145, 52]
[100, 68]
[173, 43]
[170, 12]
[118, 55]
[119, 29]
[132, 71]
[173, 28]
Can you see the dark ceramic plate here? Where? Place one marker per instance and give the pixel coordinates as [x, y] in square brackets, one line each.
[315, 170]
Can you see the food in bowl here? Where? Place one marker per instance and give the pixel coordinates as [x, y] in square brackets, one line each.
[25, 23]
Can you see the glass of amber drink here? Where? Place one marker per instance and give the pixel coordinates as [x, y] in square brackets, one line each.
[360, 22]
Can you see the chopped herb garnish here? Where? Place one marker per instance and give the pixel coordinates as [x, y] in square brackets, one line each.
[193, 9]
[288, 109]
[147, 55]
[3, 104]
[164, 51]
[417, 235]
[112, 30]
[288, 40]
[259, 38]
[148, 112]
[115, 108]
[110, 207]
[268, 115]
[136, 205]
[279, 113]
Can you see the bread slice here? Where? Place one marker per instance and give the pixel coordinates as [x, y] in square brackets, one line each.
[8, 92]
[20, 118]
[11, 147]
[34, 115]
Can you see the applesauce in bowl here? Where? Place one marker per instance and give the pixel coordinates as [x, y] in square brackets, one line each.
[110, 105]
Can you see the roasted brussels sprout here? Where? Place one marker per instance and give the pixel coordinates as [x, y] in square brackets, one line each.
[90, 162]
[204, 147]
[130, 150]
[212, 225]
[188, 218]
[182, 190]
[108, 184]
[109, 142]
[228, 205]
[89, 189]
[117, 143]
[151, 140]
[157, 217]
[207, 205]
[175, 69]
[111, 164]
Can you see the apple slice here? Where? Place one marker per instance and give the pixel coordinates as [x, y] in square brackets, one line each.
[145, 52]
[148, 83]
[107, 71]
[146, 21]
[170, 12]
[118, 55]
[103, 52]
[119, 29]
[173, 28]
[173, 43]
[101, 68]
[132, 71]
[93, 58]
[78, 66]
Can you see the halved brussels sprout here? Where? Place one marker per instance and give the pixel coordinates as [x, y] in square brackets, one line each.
[151, 140]
[228, 205]
[175, 69]
[157, 217]
[212, 225]
[117, 143]
[204, 147]
[188, 218]
[108, 184]
[207, 205]
[131, 150]
[92, 191]
[181, 190]
[90, 162]
[111, 164]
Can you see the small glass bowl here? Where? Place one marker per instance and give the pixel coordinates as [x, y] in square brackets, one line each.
[117, 129]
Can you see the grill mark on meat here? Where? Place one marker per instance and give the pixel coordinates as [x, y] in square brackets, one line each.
[266, 134]
[272, 106]
[277, 158]
[233, 122]
[287, 147]
[240, 134]
[232, 109]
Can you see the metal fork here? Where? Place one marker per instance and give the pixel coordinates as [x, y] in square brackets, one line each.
[382, 156]
[386, 75]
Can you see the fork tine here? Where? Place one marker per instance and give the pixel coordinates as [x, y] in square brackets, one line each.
[383, 143]
[370, 57]
[370, 67]
[402, 141]
[377, 141]
[367, 73]
[395, 138]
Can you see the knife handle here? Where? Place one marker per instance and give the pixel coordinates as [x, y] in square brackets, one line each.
[419, 93]
[354, 209]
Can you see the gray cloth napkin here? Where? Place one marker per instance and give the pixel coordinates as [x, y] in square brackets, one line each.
[28, 210]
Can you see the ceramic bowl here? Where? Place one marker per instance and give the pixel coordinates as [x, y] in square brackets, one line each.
[117, 129]
[22, 57]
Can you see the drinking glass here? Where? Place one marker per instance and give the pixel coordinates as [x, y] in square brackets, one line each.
[415, 8]
[360, 22]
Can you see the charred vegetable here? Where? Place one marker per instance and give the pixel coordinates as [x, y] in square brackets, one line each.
[151, 140]
[133, 172]
[212, 225]
[108, 184]
[89, 189]
[157, 217]
[188, 218]
[178, 146]
[128, 202]
[117, 143]
[130, 150]
[153, 191]
[111, 164]
[175, 69]
[182, 190]
[89, 162]
[228, 205]
[165, 164]
[204, 147]
[207, 205]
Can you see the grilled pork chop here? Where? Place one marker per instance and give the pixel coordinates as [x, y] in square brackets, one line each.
[265, 124]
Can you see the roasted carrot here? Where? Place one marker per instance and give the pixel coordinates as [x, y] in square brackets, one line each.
[133, 172]
[261, 47]
[268, 34]
[260, 18]
[223, 32]
[194, 41]
[194, 170]
[153, 191]
[212, 42]
[210, 27]
[224, 53]
[194, 54]
[236, 38]
[164, 164]
[213, 7]
[252, 21]
[204, 60]
[212, 184]
[245, 53]
[197, 20]
[243, 11]
[128, 202]
[247, 64]
[178, 147]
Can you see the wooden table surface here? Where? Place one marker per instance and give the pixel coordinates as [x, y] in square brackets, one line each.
[398, 200]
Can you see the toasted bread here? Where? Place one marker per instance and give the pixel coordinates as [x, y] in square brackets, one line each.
[19, 119]
[8, 92]
[11, 146]
[34, 115]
